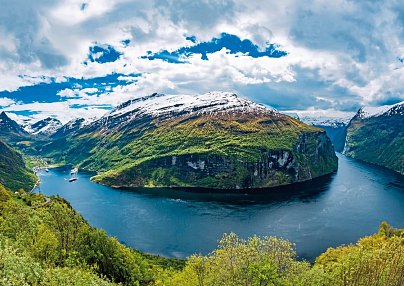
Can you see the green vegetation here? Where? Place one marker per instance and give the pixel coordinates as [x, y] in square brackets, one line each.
[14, 175]
[48, 243]
[45, 242]
[142, 153]
[377, 140]
[374, 260]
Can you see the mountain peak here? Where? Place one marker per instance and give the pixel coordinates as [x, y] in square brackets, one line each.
[164, 105]
[72, 126]
[46, 126]
[9, 125]
[385, 110]
[4, 115]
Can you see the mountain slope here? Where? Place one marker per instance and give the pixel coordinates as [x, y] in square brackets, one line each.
[45, 127]
[376, 135]
[215, 140]
[13, 172]
[11, 131]
[17, 137]
[70, 127]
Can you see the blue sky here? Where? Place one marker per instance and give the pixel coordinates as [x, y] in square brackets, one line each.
[68, 58]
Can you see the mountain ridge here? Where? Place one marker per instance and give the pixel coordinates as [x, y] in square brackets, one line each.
[212, 140]
[44, 127]
[376, 135]
[14, 174]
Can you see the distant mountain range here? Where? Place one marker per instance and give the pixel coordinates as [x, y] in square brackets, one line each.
[335, 128]
[376, 135]
[215, 140]
[44, 127]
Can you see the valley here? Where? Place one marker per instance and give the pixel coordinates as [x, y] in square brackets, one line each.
[187, 172]
[339, 209]
[201, 143]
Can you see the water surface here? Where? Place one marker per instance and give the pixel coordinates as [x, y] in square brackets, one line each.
[331, 211]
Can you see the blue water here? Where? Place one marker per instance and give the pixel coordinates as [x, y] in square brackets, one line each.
[331, 211]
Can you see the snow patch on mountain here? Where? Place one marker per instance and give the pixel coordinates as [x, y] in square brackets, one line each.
[331, 118]
[81, 122]
[8, 124]
[164, 105]
[325, 121]
[72, 126]
[386, 110]
[47, 126]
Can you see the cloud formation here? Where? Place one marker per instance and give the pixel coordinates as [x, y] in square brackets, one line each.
[339, 55]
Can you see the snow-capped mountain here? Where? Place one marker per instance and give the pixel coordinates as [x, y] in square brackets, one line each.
[164, 106]
[386, 110]
[326, 121]
[376, 135]
[72, 126]
[167, 106]
[7, 125]
[47, 126]
[214, 140]
[330, 118]
[158, 105]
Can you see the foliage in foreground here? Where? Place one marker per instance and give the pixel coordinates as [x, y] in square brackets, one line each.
[48, 243]
[374, 260]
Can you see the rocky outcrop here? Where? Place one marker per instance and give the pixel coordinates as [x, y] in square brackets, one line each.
[216, 140]
[313, 156]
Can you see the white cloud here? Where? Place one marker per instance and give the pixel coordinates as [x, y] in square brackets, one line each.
[342, 54]
[4, 101]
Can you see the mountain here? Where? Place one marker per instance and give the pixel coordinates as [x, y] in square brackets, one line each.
[215, 140]
[45, 127]
[10, 127]
[13, 172]
[70, 127]
[10, 131]
[376, 135]
[334, 127]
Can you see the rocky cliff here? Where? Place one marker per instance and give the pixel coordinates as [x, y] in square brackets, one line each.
[216, 140]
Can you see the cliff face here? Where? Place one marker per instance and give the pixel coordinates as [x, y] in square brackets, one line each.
[337, 135]
[378, 137]
[214, 152]
[217, 140]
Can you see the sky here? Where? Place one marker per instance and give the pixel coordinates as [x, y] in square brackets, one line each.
[68, 58]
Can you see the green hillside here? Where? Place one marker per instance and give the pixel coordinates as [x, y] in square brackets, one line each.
[44, 241]
[217, 150]
[377, 140]
[13, 172]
